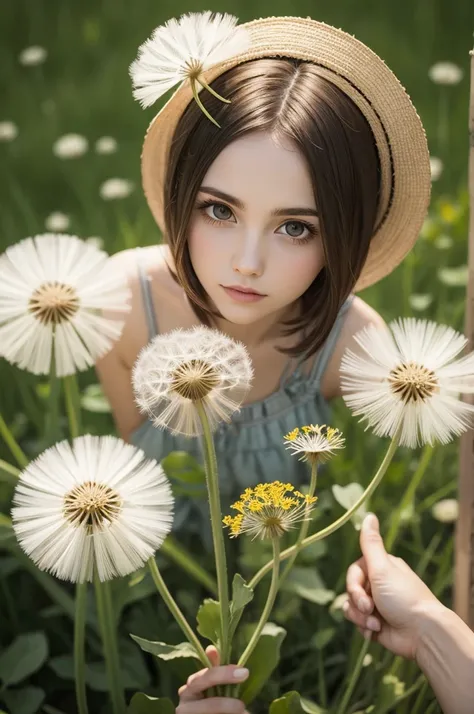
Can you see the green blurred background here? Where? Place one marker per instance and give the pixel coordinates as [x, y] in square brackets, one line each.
[83, 87]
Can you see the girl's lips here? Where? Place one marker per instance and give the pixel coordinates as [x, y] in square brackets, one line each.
[240, 296]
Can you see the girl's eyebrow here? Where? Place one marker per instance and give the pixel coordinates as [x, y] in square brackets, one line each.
[301, 211]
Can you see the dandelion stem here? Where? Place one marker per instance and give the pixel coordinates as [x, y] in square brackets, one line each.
[408, 496]
[176, 552]
[304, 526]
[79, 645]
[176, 612]
[272, 593]
[73, 405]
[200, 104]
[11, 442]
[343, 519]
[342, 708]
[217, 534]
[52, 416]
[8, 473]
[109, 640]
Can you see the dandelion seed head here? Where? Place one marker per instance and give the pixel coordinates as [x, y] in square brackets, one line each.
[315, 443]
[31, 56]
[413, 382]
[70, 146]
[446, 510]
[269, 510]
[53, 303]
[8, 131]
[92, 505]
[183, 367]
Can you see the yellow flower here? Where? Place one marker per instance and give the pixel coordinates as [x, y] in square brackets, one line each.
[316, 443]
[267, 511]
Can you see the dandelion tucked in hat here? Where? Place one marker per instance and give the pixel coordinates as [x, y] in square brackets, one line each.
[196, 49]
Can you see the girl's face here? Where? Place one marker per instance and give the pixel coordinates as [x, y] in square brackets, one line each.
[255, 226]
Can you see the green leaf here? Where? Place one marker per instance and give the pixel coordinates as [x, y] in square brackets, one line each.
[263, 660]
[347, 496]
[289, 703]
[183, 467]
[308, 584]
[164, 651]
[24, 701]
[322, 638]
[94, 400]
[24, 656]
[209, 621]
[242, 594]
[310, 707]
[143, 704]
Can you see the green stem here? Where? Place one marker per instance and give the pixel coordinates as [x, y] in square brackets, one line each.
[109, 640]
[354, 678]
[201, 106]
[217, 534]
[176, 612]
[343, 519]
[73, 405]
[408, 496]
[79, 646]
[272, 593]
[11, 442]
[212, 91]
[52, 416]
[304, 526]
[176, 552]
[8, 473]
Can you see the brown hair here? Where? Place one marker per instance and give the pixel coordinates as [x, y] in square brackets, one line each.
[288, 99]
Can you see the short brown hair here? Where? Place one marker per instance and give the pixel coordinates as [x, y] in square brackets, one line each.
[288, 99]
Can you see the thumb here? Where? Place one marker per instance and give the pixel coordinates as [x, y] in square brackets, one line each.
[371, 544]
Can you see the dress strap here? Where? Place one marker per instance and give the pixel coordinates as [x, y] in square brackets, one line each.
[323, 356]
[147, 298]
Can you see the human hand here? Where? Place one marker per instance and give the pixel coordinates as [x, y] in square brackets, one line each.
[192, 694]
[387, 599]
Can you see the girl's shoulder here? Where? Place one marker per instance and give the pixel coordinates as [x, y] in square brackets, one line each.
[358, 316]
[152, 263]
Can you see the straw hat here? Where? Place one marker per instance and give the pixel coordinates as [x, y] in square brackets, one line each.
[342, 59]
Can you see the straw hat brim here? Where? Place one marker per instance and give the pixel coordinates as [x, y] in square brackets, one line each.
[366, 79]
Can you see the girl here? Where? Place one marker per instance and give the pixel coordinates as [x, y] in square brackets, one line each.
[288, 171]
[313, 185]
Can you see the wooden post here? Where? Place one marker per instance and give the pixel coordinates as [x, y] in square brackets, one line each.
[464, 558]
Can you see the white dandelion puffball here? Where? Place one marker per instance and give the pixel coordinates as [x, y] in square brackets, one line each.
[436, 168]
[106, 145]
[446, 510]
[115, 188]
[445, 73]
[52, 292]
[183, 49]
[409, 379]
[70, 146]
[182, 367]
[57, 222]
[8, 131]
[98, 506]
[31, 56]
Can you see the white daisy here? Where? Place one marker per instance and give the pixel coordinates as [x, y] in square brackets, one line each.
[8, 131]
[31, 56]
[106, 145]
[115, 188]
[183, 367]
[445, 73]
[315, 443]
[446, 510]
[52, 292]
[409, 379]
[183, 49]
[57, 222]
[97, 506]
[70, 146]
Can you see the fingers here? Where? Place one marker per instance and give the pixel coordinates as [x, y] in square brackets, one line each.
[364, 622]
[213, 654]
[216, 705]
[372, 545]
[205, 679]
[358, 586]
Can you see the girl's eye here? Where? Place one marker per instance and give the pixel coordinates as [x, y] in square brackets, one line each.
[216, 211]
[298, 230]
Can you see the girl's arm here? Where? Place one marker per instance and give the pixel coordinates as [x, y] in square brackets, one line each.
[446, 656]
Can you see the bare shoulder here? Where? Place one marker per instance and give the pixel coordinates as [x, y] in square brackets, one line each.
[358, 316]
